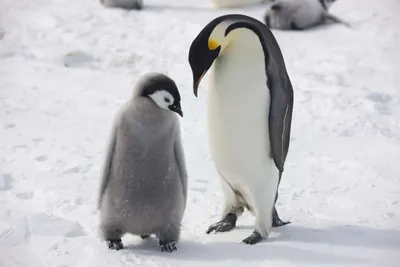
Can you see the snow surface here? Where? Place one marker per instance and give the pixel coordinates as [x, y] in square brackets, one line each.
[67, 65]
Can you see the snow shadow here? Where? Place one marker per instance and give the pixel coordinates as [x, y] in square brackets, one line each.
[350, 236]
[222, 251]
[277, 248]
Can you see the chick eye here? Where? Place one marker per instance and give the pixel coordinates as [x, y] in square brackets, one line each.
[166, 99]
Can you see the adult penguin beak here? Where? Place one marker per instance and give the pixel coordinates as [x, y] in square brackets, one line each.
[202, 54]
[196, 82]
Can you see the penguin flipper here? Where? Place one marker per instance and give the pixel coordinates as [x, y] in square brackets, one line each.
[280, 117]
[107, 163]
[180, 160]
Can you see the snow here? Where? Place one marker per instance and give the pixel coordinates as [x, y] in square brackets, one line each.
[67, 65]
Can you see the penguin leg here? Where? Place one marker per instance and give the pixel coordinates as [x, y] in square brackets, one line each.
[276, 221]
[231, 211]
[263, 200]
[168, 237]
[113, 235]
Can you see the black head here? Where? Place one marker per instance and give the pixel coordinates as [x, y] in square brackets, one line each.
[202, 54]
[211, 42]
[162, 90]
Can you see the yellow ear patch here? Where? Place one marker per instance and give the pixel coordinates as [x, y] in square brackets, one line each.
[212, 44]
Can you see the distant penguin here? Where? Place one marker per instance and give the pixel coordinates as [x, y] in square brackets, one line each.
[299, 14]
[235, 3]
[143, 187]
[125, 4]
[250, 104]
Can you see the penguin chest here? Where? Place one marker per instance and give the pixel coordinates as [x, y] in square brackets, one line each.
[238, 111]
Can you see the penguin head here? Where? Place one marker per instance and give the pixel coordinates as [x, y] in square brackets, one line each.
[162, 90]
[212, 42]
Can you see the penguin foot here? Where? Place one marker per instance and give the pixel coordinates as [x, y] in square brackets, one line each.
[254, 238]
[144, 236]
[276, 221]
[228, 223]
[115, 244]
[168, 247]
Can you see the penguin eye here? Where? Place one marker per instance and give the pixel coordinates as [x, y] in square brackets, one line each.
[166, 99]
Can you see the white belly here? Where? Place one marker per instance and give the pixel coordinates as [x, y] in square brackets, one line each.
[238, 110]
[234, 3]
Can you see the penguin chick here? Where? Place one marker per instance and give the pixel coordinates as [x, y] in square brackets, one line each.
[235, 3]
[125, 4]
[299, 14]
[143, 187]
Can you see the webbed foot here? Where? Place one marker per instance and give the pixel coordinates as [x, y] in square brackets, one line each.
[226, 224]
[115, 244]
[254, 238]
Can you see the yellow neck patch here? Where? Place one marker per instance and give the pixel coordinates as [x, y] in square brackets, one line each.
[212, 44]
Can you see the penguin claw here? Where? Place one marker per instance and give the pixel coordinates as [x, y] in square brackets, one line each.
[114, 244]
[254, 238]
[228, 223]
[276, 221]
[279, 223]
[169, 247]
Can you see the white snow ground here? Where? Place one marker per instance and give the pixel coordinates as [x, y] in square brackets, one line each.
[67, 65]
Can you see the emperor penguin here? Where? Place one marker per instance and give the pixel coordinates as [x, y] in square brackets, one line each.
[299, 14]
[125, 4]
[250, 104]
[143, 187]
[235, 3]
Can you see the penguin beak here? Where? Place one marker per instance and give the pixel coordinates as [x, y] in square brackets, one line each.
[202, 54]
[176, 108]
[196, 83]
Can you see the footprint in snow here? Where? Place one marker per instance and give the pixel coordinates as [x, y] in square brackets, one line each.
[25, 195]
[9, 126]
[45, 224]
[78, 59]
[381, 102]
[201, 190]
[6, 181]
[41, 158]
[75, 169]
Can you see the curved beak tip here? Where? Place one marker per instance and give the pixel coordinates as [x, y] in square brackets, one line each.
[195, 89]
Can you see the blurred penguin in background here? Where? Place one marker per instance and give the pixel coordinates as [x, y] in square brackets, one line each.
[236, 3]
[125, 4]
[299, 14]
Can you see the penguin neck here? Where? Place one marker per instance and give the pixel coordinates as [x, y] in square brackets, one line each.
[241, 63]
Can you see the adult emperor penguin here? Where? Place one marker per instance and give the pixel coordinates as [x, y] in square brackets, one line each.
[143, 188]
[250, 105]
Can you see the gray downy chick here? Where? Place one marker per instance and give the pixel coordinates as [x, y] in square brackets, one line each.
[125, 4]
[299, 14]
[143, 188]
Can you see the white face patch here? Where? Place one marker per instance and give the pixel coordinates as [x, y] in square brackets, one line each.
[162, 98]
